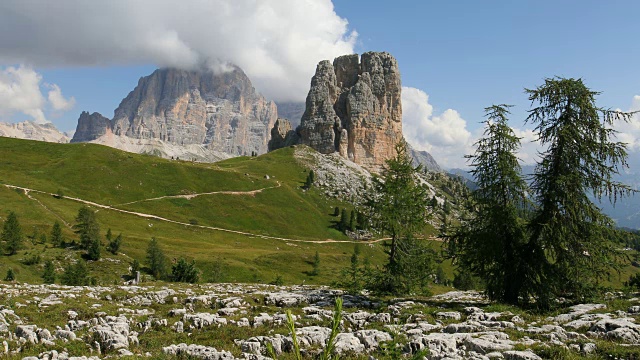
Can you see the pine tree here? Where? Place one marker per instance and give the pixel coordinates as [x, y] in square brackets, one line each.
[352, 221]
[183, 271]
[316, 264]
[135, 267]
[310, 180]
[396, 207]
[114, 245]
[571, 239]
[87, 227]
[56, 235]
[12, 234]
[93, 252]
[75, 275]
[344, 221]
[49, 275]
[10, 276]
[491, 244]
[156, 260]
[109, 236]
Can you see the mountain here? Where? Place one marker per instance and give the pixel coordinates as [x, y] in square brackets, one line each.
[425, 159]
[32, 131]
[353, 108]
[218, 111]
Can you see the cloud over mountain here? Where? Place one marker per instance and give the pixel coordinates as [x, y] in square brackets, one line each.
[277, 42]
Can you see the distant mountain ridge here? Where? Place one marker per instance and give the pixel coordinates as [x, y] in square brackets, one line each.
[32, 131]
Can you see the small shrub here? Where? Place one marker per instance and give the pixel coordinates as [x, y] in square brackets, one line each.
[32, 259]
[279, 281]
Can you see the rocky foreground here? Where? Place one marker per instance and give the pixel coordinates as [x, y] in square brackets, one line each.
[229, 321]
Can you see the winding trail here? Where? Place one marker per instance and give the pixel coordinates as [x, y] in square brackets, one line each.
[155, 217]
[191, 196]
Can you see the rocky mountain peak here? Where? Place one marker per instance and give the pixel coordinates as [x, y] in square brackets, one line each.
[354, 108]
[218, 110]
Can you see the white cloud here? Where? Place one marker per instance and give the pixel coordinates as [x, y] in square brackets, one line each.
[58, 102]
[629, 132]
[445, 136]
[20, 93]
[277, 42]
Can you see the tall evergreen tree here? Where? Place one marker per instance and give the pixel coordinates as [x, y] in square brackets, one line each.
[571, 247]
[396, 206]
[49, 275]
[12, 234]
[316, 264]
[87, 227]
[56, 235]
[344, 221]
[156, 260]
[490, 244]
[311, 178]
[114, 245]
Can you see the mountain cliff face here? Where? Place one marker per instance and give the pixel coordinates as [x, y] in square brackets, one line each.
[220, 111]
[354, 108]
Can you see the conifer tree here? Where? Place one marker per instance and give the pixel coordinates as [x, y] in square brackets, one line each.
[490, 244]
[10, 276]
[156, 260]
[12, 234]
[396, 206]
[56, 235]
[316, 264]
[344, 221]
[49, 275]
[87, 227]
[571, 239]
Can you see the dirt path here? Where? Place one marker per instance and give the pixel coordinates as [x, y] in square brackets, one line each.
[26, 192]
[191, 196]
[155, 217]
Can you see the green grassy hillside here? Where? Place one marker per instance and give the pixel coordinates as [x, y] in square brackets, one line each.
[125, 181]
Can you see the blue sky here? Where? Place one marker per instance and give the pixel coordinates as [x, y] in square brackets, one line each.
[456, 57]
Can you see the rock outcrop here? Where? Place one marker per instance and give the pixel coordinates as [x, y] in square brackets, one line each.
[282, 135]
[33, 131]
[91, 127]
[354, 108]
[220, 111]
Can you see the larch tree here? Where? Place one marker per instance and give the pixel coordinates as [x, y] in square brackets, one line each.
[571, 246]
[490, 244]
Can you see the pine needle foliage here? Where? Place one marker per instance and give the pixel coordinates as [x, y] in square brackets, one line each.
[490, 245]
[396, 206]
[12, 234]
[571, 245]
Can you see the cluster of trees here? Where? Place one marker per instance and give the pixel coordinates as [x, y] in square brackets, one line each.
[157, 263]
[531, 244]
[350, 220]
